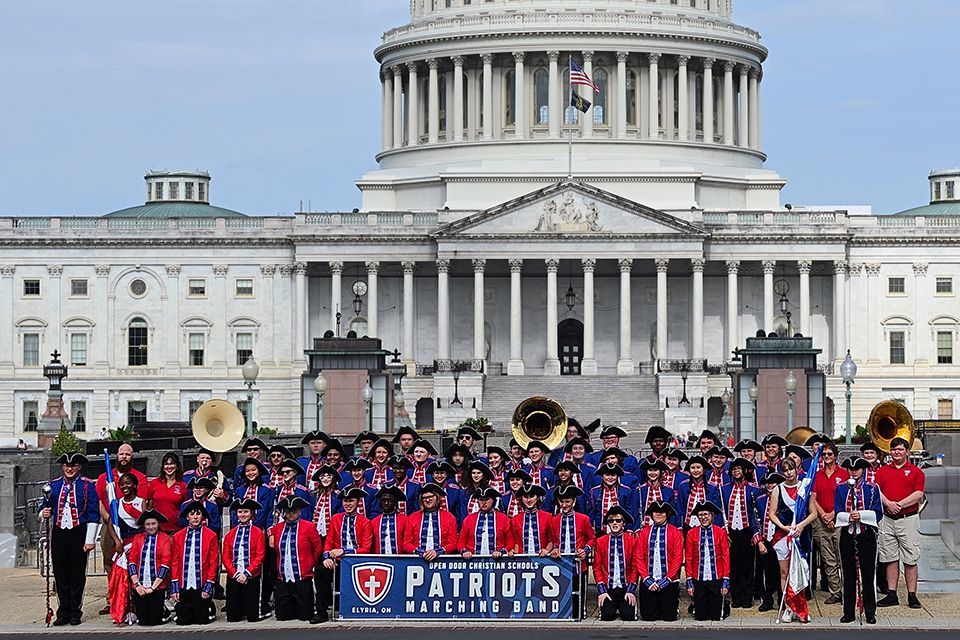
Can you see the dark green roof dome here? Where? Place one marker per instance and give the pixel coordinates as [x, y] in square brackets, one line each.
[933, 210]
[168, 210]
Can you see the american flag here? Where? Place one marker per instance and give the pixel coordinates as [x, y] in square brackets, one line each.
[579, 77]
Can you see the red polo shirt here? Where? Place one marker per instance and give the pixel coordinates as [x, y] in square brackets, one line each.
[825, 487]
[897, 483]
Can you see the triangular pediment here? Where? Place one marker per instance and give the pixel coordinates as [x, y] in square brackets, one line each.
[570, 208]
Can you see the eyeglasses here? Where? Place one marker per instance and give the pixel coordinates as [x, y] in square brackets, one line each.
[828, 453]
[615, 521]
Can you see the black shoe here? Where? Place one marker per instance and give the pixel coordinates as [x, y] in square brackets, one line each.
[74, 621]
[766, 605]
[871, 619]
[690, 608]
[320, 618]
[61, 622]
[105, 611]
[889, 600]
[913, 602]
[845, 619]
[834, 599]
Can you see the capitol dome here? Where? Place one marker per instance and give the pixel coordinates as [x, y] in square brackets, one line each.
[479, 92]
[176, 194]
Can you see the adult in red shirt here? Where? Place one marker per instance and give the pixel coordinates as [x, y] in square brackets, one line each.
[167, 492]
[826, 536]
[901, 489]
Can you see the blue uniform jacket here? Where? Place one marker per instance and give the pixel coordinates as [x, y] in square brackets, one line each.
[626, 497]
[265, 497]
[88, 504]
[683, 497]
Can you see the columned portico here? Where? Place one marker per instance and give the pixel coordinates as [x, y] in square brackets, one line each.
[733, 308]
[625, 362]
[551, 367]
[588, 366]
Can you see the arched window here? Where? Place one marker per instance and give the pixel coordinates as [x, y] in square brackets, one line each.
[442, 86]
[541, 102]
[509, 98]
[600, 115]
[631, 98]
[137, 350]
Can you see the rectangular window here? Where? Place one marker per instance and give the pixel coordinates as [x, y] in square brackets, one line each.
[78, 415]
[244, 348]
[951, 190]
[896, 284]
[137, 346]
[243, 405]
[31, 349]
[944, 284]
[158, 191]
[78, 349]
[945, 409]
[174, 190]
[31, 415]
[944, 347]
[196, 349]
[31, 288]
[188, 190]
[244, 287]
[197, 287]
[78, 288]
[201, 192]
[136, 412]
[897, 347]
[936, 190]
[193, 407]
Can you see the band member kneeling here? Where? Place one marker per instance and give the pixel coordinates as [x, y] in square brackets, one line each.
[349, 532]
[196, 564]
[613, 568]
[708, 564]
[148, 562]
[298, 548]
[244, 549]
[659, 554]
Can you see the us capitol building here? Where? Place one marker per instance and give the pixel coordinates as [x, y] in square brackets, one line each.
[495, 270]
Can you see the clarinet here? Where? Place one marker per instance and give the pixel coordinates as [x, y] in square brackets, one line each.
[856, 551]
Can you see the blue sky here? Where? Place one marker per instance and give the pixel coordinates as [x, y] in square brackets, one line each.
[279, 99]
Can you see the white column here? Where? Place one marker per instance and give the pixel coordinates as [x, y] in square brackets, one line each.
[443, 310]
[555, 111]
[587, 128]
[7, 318]
[552, 365]
[457, 98]
[692, 104]
[520, 95]
[621, 116]
[515, 366]
[397, 107]
[479, 348]
[754, 110]
[413, 106]
[733, 309]
[839, 308]
[669, 100]
[683, 102]
[265, 349]
[697, 265]
[408, 355]
[373, 311]
[875, 346]
[336, 285]
[654, 97]
[643, 102]
[386, 111]
[743, 131]
[769, 267]
[487, 59]
[300, 313]
[708, 99]
[728, 102]
[662, 264]
[625, 363]
[588, 365]
[433, 104]
[921, 294]
[756, 140]
[804, 266]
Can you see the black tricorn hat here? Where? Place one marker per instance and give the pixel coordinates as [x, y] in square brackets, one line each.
[151, 513]
[706, 506]
[609, 469]
[853, 462]
[314, 435]
[567, 464]
[365, 436]
[247, 503]
[292, 503]
[744, 464]
[747, 443]
[193, 505]
[572, 442]
[431, 487]
[327, 468]
[357, 463]
[656, 431]
[400, 461]
[72, 458]
[486, 493]
[405, 430]
[253, 442]
[425, 444]
[674, 453]
[656, 463]
[568, 491]
[707, 433]
[612, 430]
[617, 510]
[536, 444]
[290, 463]
[659, 506]
[799, 451]
[201, 482]
[774, 438]
[822, 438]
[521, 474]
[533, 489]
[773, 478]
[468, 431]
[390, 490]
[441, 465]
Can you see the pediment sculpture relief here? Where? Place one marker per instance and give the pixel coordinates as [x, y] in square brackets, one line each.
[569, 216]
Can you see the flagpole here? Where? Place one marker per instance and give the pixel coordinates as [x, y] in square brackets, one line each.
[570, 124]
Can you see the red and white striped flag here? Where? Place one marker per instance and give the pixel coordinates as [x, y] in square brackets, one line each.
[579, 77]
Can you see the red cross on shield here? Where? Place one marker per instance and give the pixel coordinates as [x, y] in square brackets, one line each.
[371, 581]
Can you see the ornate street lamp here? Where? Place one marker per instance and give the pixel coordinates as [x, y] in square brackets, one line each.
[790, 384]
[684, 372]
[754, 392]
[320, 385]
[250, 371]
[848, 371]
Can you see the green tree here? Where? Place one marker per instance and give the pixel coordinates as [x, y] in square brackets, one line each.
[65, 442]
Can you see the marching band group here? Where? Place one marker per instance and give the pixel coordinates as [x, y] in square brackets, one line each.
[719, 524]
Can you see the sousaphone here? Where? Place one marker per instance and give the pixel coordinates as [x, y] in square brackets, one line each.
[218, 425]
[539, 418]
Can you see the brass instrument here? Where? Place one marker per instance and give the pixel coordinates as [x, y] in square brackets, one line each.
[799, 435]
[889, 420]
[539, 418]
[218, 425]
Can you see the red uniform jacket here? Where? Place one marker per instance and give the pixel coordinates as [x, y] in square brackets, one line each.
[721, 553]
[545, 526]
[503, 533]
[209, 557]
[401, 533]
[309, 546]
[674, 553]
[254, 554]
[163, 557]
[364, 533]
[601, 562]
[582, 528]
[448, 531]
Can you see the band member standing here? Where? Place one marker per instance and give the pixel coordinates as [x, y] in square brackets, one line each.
[532, 533]
[487, 532]
[298, 548]
[719, 459]
[652, 491]
[517, 455]
[614, 568]
[659, 555]
[693, 491]
[567, 474]
[773, 445]
[402, 470]
[782, 509]
[199, 490]
[611, 494]
[354, 476]
[252, 448]
[497, 463]
[610, 438]
[767, 566]
[859, 511]
[379, 472]
[707, 555]
[196, 565]
[431, 531]
[658, 438]
[739, 497]
[452, 498]
[826, 535]
[244, 550]
[252, 487]
[363, 443]
[149, 560]
[406, 437]
[510, 502]
[290, 486]
[674, 474]
[349, 532]
[74, 511]
[316, 442]
[206, 469]
[390, 527]
[421, 454]
[572, 531]
[538, 468]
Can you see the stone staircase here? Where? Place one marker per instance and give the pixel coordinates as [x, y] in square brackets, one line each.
[614, 399]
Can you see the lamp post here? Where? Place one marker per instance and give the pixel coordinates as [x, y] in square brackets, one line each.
[250, 371]
[790, 384]
[684, 372]
[725, 398]
[848, 371]
[320, 385]
[754, 393]
[366, 394]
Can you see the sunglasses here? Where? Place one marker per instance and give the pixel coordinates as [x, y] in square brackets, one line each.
[615, 521]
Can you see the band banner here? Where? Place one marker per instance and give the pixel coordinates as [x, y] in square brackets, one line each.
[482, 588]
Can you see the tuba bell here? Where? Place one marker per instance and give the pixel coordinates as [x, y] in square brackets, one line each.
[889, 420]
[218, 425]
[799, 435]
[539, 418]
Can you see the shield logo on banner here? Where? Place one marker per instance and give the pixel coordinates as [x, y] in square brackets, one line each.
[371, 581]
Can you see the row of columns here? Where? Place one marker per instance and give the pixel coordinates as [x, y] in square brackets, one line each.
[748, 94]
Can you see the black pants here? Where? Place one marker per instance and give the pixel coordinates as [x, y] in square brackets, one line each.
[759, 583]
[294, 600]
[661, 604]
[193, 608]
[243, 600]
[741, 567]
[707, 600]
[771, 574]
[323, 587]
[617, 605]
[866, 550]
[268, 579]
[149, 608]
[69, 569]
